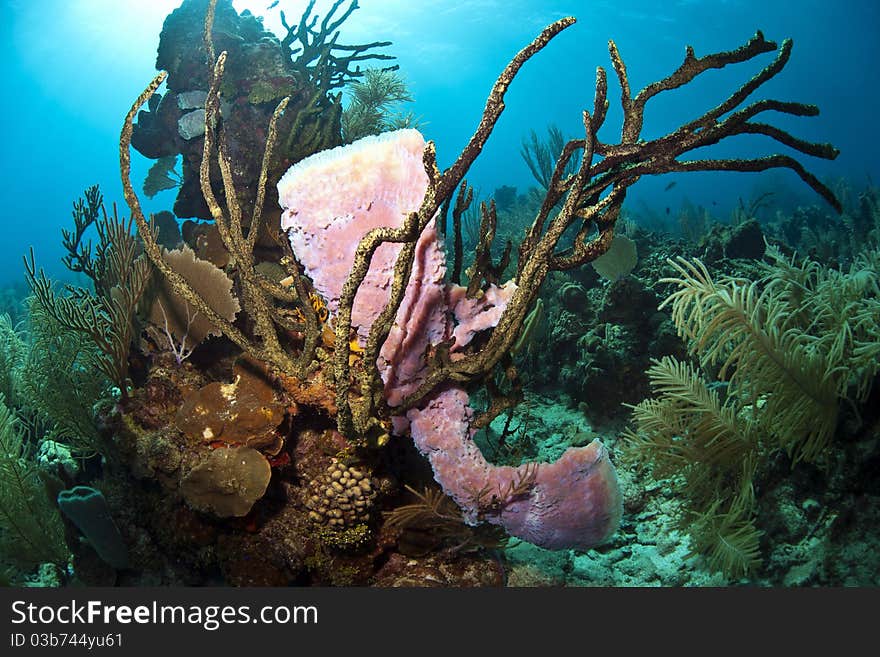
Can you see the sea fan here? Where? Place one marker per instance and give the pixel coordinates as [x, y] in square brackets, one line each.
[161, 176]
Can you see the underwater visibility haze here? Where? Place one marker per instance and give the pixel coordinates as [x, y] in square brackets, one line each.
[389, 293]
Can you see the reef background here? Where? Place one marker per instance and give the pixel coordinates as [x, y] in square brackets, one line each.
[75, 66]
[584, 354]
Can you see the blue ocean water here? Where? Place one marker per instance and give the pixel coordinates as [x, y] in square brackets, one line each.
[72, 70]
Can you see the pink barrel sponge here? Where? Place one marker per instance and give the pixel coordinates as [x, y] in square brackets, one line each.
[331, 200]
[334, 197]
[572, 503]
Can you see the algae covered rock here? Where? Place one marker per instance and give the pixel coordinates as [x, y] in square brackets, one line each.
[228, 482]
[244, 412]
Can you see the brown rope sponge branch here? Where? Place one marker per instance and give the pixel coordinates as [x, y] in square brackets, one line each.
[260, 296]
[593, 196]
[588, 200]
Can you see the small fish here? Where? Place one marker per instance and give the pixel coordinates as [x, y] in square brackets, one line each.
[274, 4]
[667, 209]
[319, 306]
[669, 186]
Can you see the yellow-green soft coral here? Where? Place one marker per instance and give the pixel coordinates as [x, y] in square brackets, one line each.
[31, 531]
[788, 348]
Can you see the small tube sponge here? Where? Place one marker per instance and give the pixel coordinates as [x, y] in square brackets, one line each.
[87, 508]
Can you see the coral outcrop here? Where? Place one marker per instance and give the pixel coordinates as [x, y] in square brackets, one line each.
[263, 69]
